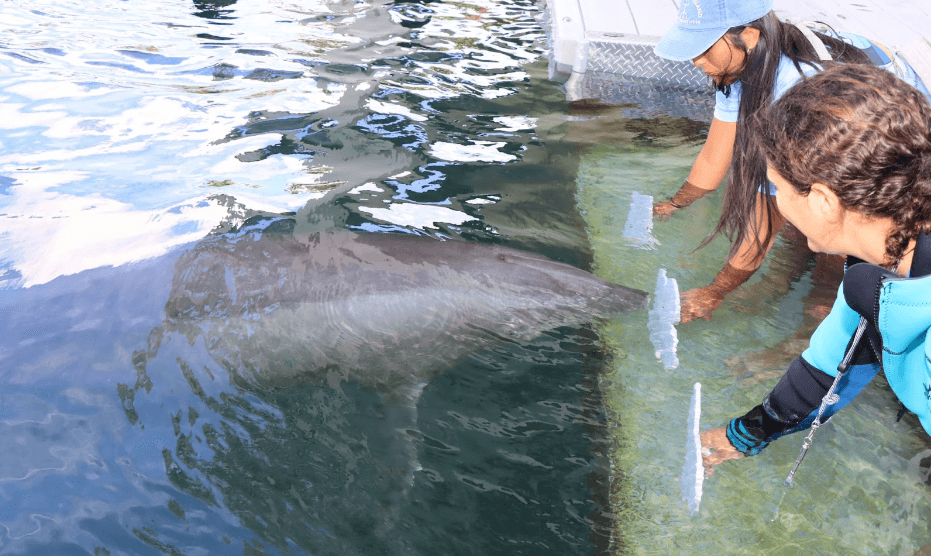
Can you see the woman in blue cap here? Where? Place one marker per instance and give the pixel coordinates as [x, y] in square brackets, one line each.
[849, 153]
[753, 58]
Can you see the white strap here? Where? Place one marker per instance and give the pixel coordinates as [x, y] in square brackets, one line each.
[819, 47]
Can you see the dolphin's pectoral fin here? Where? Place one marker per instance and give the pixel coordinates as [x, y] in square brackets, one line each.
[395, 447]
[519, 328]
[507, 328]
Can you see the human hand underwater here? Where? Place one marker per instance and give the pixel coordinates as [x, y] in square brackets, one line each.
[716, 448]
[664, 210]
[699, 303]
[686, 195]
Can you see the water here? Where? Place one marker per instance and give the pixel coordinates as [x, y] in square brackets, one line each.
[863, 487]
[131, 131]
[693, 474]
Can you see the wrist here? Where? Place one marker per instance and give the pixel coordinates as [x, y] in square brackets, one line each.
[743, 436]
[687, 194]
[729, 278]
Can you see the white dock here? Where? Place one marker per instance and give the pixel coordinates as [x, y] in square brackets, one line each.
[593, 42]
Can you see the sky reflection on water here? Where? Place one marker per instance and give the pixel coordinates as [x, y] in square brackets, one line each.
[135, 134]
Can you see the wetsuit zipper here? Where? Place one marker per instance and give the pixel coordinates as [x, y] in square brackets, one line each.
[879, 333]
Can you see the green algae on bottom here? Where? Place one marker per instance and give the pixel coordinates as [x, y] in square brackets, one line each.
[863, 489]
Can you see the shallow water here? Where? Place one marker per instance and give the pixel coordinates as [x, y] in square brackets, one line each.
[863, 487]
[131, 131]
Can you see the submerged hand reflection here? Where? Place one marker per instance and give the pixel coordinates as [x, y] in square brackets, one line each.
[715, 441]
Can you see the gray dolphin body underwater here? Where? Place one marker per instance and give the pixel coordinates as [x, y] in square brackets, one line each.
[386, 310]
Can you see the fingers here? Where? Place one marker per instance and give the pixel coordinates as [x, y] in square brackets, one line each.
[687, 316]
[664, 209]
[691, 313]
[716, 449]
[692, 308]
[699, 303]
[711, 438]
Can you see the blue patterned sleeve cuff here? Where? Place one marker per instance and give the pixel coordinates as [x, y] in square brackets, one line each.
[743, 438]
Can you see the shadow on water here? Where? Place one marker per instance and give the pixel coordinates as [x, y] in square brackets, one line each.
[313, 466]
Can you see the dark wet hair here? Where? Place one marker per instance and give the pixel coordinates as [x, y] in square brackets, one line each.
[757, 77]
[863, 133]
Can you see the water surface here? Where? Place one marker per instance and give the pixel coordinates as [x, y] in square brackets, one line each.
[131, 131]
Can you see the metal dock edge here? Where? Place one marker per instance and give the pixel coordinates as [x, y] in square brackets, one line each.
[603, 49]
[621, 68]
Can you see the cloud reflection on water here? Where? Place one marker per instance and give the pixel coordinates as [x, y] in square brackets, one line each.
[113, 141]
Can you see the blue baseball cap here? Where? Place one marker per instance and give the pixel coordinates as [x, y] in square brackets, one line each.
[702, 22]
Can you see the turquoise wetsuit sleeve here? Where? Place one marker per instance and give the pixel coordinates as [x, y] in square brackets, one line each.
[828, 344]
[793, 404]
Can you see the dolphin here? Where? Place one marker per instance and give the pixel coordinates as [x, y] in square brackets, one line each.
[385, 310]
[388, 311]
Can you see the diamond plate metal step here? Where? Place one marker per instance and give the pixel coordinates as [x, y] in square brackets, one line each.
[623, 69]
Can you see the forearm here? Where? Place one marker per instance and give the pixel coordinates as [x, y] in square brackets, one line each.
[709, 168]
[712, 162]
[784, 410]
[707, 171]
[701, 302]
[760, 236]
[794, 403]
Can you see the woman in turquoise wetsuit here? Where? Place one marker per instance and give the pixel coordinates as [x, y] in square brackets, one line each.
[753, 58]
[848, 151]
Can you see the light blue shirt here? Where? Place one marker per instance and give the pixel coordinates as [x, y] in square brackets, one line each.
[727, 108]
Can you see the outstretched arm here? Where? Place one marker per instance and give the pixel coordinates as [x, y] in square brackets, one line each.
[701, 302]
[794, 402]
[708, 170]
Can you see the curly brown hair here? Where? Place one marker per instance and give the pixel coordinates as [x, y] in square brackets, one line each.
[863, 133]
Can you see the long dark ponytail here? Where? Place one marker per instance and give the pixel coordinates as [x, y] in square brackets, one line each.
[757, 78]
